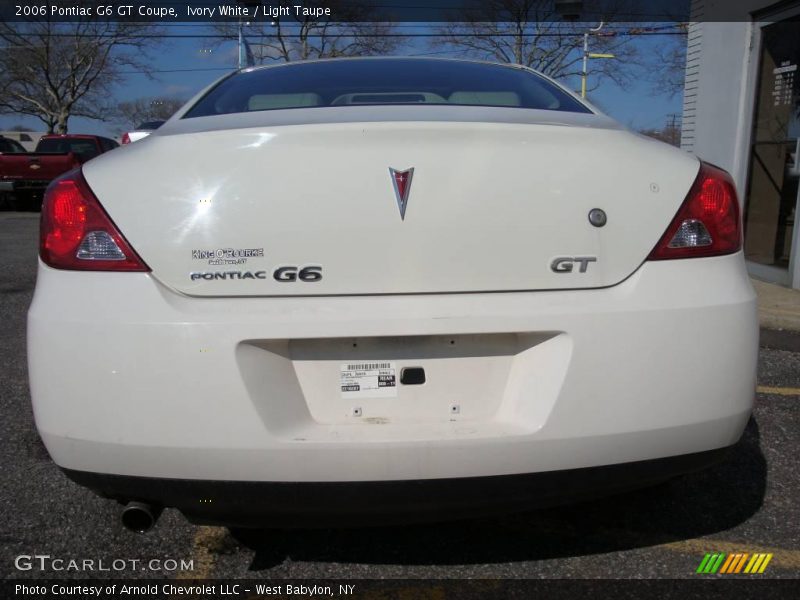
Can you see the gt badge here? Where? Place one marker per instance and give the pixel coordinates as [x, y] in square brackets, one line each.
[401, 181]
[566, 264]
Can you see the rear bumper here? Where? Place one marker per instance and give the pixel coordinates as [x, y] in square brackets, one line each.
[129, 378]
[313, 504]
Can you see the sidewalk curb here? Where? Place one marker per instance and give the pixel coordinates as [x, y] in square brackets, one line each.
[779, 339]
[778, 306]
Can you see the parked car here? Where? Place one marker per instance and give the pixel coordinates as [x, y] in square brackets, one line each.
[141, 132]
[27, 175]
[9, 146]
[27, 139]
[346, 289]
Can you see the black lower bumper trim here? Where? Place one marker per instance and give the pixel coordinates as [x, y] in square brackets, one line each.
[316, 504]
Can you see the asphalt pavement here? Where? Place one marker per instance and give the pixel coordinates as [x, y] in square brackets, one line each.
[749, 503]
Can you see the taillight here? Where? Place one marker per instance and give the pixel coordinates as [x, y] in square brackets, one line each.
[707, 223]
[77, 234]
[126, 139]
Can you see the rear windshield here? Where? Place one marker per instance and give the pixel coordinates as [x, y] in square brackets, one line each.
[85, 148]
[151, 125]
[383, 81]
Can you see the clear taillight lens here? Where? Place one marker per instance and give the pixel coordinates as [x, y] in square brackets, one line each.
[708, 222]
[77, 234]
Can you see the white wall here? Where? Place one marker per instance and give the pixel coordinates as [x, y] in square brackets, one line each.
[722, 65]
[722, 97]
[722, 69]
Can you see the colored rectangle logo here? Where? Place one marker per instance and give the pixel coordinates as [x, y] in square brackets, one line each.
[734, 563]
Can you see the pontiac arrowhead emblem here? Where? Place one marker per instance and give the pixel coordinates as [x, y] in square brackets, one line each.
[401, 180]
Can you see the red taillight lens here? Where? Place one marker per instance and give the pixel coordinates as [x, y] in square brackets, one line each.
[707, 223]
[126, 139]
[77, 234]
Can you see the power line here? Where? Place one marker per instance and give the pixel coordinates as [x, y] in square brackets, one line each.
[612, 25]
[178, 70]
[380, 35]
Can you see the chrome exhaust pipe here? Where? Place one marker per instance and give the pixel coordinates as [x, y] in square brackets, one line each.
[140, 516]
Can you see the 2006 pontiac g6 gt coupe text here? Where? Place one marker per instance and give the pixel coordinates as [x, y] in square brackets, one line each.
[348, 290]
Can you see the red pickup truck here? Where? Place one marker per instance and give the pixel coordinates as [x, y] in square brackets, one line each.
[25, 176]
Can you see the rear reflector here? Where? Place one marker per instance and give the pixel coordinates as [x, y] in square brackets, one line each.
[77, 234]
[691, 234]
[707, 223]
[99, 245]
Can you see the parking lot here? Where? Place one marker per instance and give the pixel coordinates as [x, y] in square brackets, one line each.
[747, 504]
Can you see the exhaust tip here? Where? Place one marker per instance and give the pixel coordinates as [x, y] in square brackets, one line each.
[139, 517]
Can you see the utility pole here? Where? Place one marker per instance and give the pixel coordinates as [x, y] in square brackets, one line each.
[673, 120]
[241, 44]
[245, 54]
[243, 49]
[673, 130]
[587, 55]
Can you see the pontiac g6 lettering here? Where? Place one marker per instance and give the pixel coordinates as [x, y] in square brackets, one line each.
[464, 338]
[228, 275]
[283, 274]
[306, 274]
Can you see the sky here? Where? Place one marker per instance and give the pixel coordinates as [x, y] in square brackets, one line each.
[185, 67]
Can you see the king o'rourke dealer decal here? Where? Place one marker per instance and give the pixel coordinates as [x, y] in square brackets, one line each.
[372, 379]
[227, 256]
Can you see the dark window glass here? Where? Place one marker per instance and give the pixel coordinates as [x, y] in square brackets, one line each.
[360, 82]
[86, 149]
[107, 144]
[771, 216]
[11, 146]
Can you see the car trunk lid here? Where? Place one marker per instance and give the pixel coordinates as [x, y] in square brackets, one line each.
[261, 211]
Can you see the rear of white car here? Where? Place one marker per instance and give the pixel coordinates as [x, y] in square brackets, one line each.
[312, 311]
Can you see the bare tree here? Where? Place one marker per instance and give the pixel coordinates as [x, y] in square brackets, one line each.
[355, 33]
[53, 71]
[147, 109]
[667, 68]
[531, 33]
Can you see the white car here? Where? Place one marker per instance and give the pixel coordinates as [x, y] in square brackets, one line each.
[348, 290]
